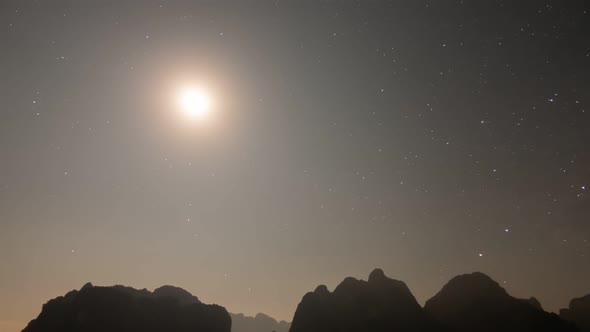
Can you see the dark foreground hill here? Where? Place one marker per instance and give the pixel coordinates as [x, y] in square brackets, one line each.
[578, 313]
[259, 323]
[125, 309]
[468, 303]
[475, 302]
[377, 305]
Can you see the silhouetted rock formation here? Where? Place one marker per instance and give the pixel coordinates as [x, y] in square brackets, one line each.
[260, 323]
[535, 303]
[467, 303]
[125, 309]
[183, 297]
[379, 304]
[578, 313]
[475, 302]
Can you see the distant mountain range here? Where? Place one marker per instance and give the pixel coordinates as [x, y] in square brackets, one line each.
[467, 303]
[259, 323]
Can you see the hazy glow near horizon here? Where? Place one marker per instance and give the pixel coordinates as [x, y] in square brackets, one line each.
[194, 102]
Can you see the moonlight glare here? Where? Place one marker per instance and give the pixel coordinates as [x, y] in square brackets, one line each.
[194, 102]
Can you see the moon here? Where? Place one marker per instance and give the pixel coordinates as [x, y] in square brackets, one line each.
[194, 102]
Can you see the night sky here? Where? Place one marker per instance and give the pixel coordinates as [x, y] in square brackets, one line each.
[428, 138]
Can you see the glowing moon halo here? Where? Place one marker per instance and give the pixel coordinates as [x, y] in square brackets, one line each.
[194, 102]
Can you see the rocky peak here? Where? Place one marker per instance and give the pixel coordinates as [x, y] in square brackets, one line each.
[378, 305]
[377, 275]
[177, 293]
[475, 302]
[578, 313]
[321, 290]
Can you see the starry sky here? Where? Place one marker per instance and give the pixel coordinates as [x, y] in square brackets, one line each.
[428, 138]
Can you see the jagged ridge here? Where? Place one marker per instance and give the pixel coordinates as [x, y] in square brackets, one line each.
[379, 304]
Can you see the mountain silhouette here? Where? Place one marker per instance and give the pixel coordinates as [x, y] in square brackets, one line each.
[467, 303]
[183, 297]
[379, 304]
[125, 309]
[259, 323]
[578, 313]
[535, 303]
[475, 302]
